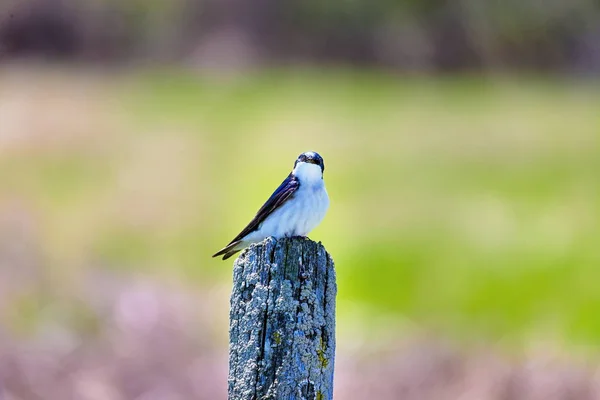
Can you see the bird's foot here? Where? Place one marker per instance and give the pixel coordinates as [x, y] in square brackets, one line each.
[300, 237]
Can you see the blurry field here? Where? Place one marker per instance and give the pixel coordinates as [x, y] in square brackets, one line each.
[463, 207]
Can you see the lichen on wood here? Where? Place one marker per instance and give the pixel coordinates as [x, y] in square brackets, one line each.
[282, 322]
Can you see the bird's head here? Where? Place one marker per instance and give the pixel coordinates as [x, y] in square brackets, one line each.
[309, 166]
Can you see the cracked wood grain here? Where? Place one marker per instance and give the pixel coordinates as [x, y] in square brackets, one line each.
[282, 322]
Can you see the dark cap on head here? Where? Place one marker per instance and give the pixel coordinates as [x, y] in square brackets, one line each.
[311, 157]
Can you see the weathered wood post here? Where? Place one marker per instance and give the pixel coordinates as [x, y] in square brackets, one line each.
[282, 322]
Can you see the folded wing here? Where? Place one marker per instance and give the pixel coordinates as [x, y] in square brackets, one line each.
[283, 193]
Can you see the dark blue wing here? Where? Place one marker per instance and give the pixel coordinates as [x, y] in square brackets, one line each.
[283, 193]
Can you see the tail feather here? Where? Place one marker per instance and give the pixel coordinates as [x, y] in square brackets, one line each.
[230, 249]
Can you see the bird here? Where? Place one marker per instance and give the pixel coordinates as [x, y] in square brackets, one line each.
[295, 208]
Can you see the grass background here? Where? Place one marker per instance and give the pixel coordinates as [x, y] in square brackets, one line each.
[464, 206]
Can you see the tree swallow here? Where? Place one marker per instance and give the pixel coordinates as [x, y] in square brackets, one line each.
[296, 207]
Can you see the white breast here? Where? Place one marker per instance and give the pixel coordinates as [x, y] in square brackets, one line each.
[300, 214]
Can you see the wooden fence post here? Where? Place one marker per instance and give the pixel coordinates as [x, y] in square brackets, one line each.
[282, 322]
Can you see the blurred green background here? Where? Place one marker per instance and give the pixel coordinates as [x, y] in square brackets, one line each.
[464, 205]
